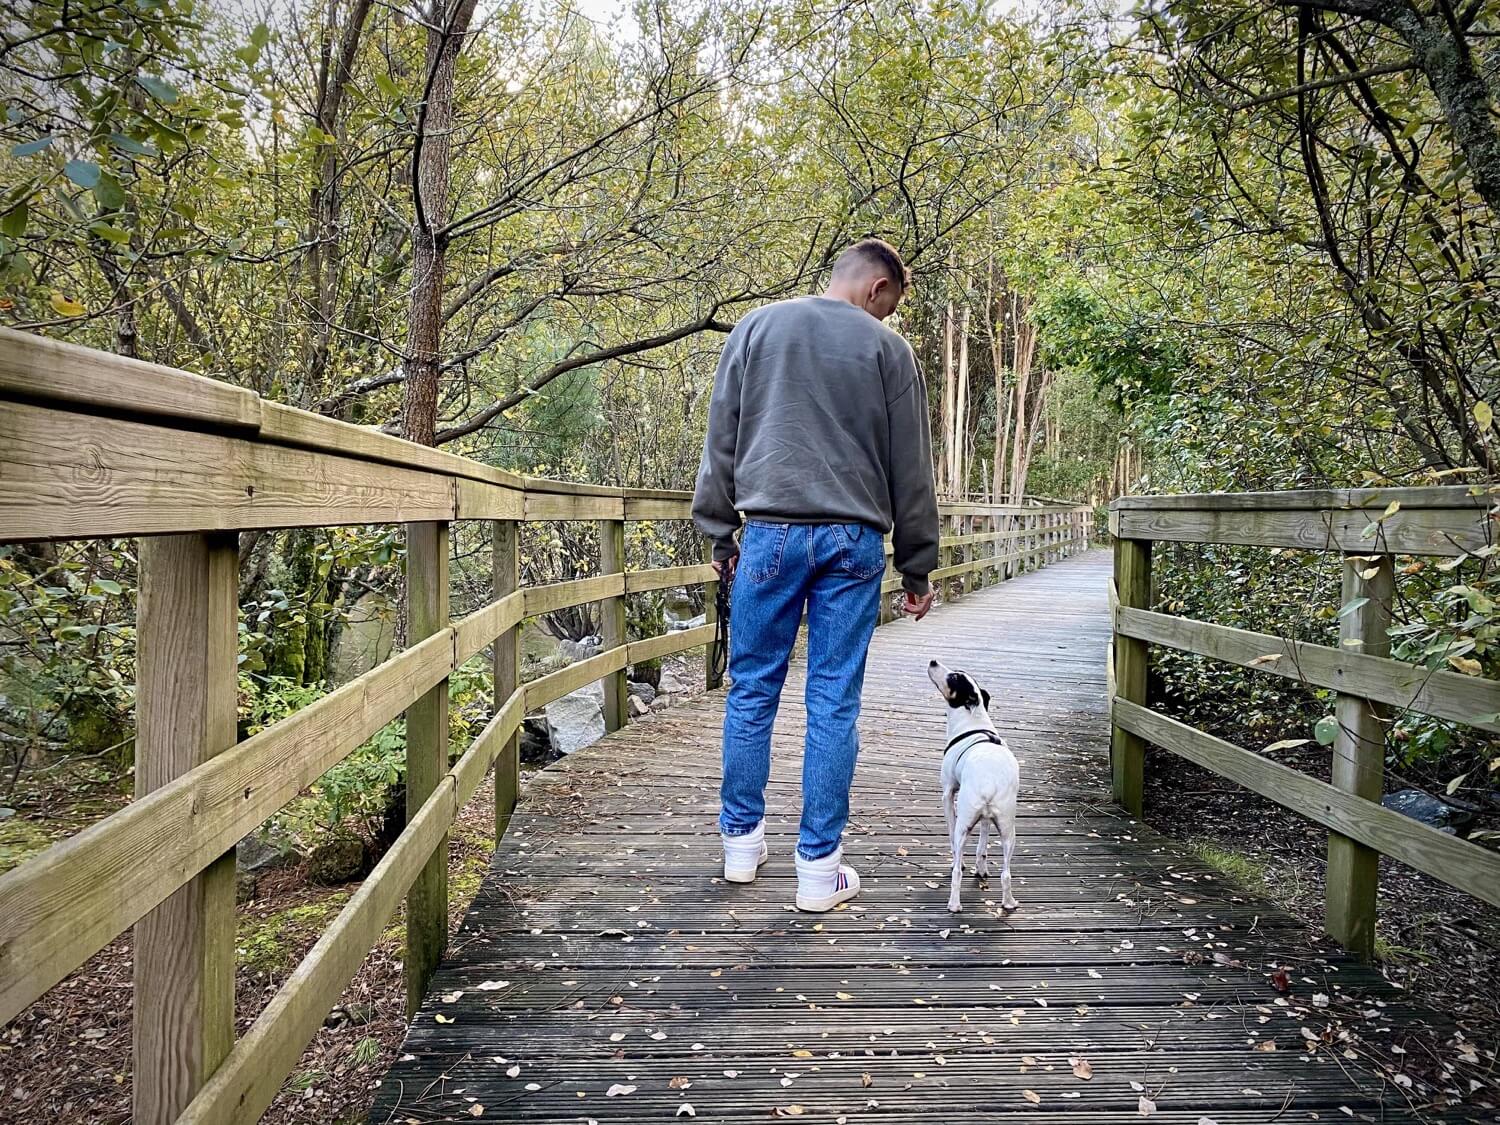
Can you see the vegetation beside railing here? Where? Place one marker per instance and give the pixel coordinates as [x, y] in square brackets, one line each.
[1377, 532]
[94, 446]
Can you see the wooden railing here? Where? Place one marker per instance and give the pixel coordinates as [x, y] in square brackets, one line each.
[1370, 528]
[94, 446]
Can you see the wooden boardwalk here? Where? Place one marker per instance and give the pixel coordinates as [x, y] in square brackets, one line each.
[604, 952]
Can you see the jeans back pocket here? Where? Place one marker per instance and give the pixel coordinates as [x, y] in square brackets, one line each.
[861, 550]
[761, 548]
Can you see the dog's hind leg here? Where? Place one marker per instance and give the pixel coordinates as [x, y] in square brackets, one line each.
[1007, 845]
[982, 851]
[958, 839]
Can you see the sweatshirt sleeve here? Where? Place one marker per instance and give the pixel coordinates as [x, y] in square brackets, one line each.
[713, 497]
[914, 536]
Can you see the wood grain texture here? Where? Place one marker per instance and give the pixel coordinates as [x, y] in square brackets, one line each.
[1447, 695]
[66, 475]
[187, 643]
[40, 370]
[545, 689]
[570, 506]
[1132, 586]
[484, 625]
[639, 581]
[605, 948]
[427, 589]
[1359, 755]
[505, 548]
[480, 500]
[612, 619]
[63, 906]
[1414, 531]
[1312, 499]
[640, 508]
[1456, 862]
[668, 643]
[580, 591]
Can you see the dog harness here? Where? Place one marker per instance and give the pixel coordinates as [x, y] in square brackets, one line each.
[978, 736]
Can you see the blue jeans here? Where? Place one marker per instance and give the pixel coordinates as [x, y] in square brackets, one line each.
[835, 570]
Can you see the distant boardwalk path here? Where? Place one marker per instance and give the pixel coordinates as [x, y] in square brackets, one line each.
[604, 952]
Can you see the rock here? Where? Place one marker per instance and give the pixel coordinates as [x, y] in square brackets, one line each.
[536, 742]
[6, 814]
[644, 692]
[582, 649]
[671, 685]
[261, 851]
[1430, 811]
[690, 623]
[638, 707]
[577, 719]
[339, 860]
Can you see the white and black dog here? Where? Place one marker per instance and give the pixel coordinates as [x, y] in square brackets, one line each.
[980, 780]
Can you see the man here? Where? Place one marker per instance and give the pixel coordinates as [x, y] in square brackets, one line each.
[818, 432]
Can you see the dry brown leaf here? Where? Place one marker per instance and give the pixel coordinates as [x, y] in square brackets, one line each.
[476, 1110]
[1146, 1106]
[1082, 1069]
[681, 1082]
[619, 1090]
[1032, 1096]
[789, 1111]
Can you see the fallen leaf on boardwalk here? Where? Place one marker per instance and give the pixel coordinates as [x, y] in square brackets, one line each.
[616, 1036]
[1267, 1045]
[685, 1110]
[658, 1035]
[476, 1110]
[442, 1018]
[452, 997]
[1136, 1086]
[731, 1074]
[1082, 1069]
[617, 1090]
[681, 1082]
[1096, 974]
[1207, 1121]
[789, 1111]
[1281, 981]
[1320, 1000]
[1146, 1106]
[866, 1080]
[1032, 1096]
[493, 985]
[801, 1054]
[843, 996]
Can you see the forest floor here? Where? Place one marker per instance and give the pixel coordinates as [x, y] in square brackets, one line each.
[1438, 944]
[68, 1056]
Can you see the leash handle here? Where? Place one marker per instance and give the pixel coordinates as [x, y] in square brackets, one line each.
[721, 629]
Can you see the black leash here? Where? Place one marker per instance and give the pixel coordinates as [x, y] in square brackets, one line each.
[721, 629]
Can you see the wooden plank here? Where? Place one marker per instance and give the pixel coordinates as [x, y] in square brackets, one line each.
[1414, 531]
[546, 485]
[1456, 862]
[505, 548]
[612, 620]
[1353, 874]
[646, 509]
[545, 689]
[681, 494]
[483, 626]
[427, 586]
[667, 643]
[1132, 585]
[569, 506]
[74, 476]
[480, 500]
[580, 591]
[1444, 694]
[639, 581]
[61, 907]
[286, 425]
[1310, 499]
[39, 370]
[187, 644]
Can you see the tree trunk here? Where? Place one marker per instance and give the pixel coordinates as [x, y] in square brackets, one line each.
[950, 395]
[959, 482]
[445, 36]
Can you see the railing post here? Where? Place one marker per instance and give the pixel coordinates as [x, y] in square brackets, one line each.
[1128, 751]
[187, 643]
[711, 678]
[1359, 754]
[505, 556]
[945, 553]
[612, 622]
[967, 581]
[426, 755]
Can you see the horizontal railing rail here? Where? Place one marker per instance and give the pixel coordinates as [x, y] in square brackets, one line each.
[95, 446]
[1370, 528]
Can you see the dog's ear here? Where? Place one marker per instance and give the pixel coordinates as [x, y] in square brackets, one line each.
[984, 695]
[960, 691]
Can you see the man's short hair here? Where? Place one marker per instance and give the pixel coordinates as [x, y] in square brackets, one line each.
[878, 254]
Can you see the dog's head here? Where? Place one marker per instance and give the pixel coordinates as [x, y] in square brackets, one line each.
[960, 690]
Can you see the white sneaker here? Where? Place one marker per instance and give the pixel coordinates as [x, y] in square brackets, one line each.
[824, 883]
[743, 855]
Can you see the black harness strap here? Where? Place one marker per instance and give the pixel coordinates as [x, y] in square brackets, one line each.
[978, 736]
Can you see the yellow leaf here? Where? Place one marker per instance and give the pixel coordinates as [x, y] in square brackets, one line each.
[1391, 509]
[801, 1054]
[1483, 414]
[1465, 664]
[843, 996]
[66, 306]
[442, 1018]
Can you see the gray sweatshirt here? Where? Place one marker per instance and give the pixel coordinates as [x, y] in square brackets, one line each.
[819, 415]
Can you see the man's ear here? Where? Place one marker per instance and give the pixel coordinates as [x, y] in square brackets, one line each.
[986, 697]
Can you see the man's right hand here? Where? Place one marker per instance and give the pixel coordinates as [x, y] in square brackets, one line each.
[724, 568]
[916, 607]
